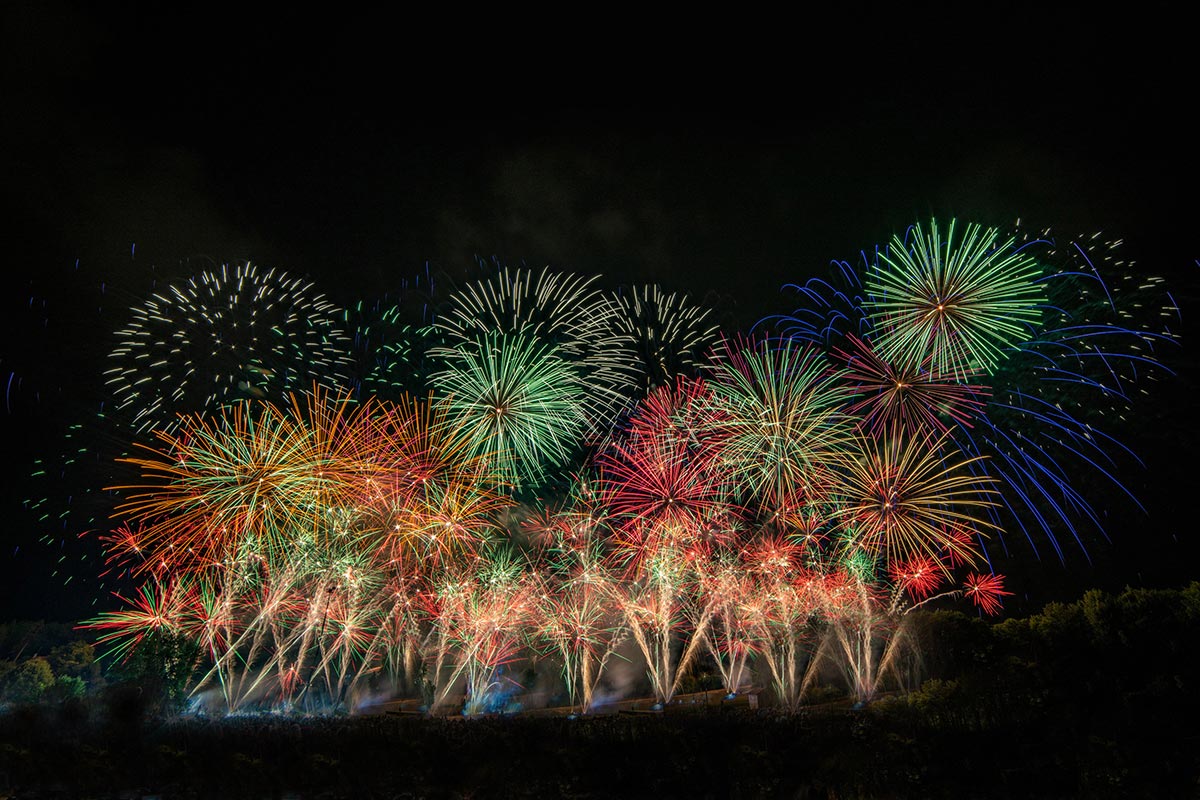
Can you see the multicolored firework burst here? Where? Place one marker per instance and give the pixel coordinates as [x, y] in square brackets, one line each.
[661, 481]
[252, 480]
[779, 411]
[158, 608]
[903, 497]
[434, 501]
[905, 398]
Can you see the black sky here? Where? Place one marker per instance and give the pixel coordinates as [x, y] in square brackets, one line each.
[140, 146]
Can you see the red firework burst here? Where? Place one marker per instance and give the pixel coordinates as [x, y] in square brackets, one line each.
[985, 591]
[663, 475]
[894, 395]
[773, 556]
[919, 576]
[682, 412]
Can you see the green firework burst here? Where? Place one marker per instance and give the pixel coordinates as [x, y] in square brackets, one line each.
[960, 301]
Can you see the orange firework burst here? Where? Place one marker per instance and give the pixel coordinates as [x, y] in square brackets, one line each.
[433, 500]
[903, 497]
[252, 479]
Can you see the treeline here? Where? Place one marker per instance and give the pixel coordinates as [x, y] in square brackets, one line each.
[54, 664]
[1104, 658]
[45, 662]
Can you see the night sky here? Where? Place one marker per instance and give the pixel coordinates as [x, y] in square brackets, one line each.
[359, 153]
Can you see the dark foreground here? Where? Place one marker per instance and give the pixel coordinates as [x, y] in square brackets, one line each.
[1094, 699]
[889, 750]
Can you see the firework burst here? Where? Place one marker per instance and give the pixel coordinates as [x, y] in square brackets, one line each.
[662, 479]
[960, 302]
[669, 334]
[985, 592]
[565, 315]
[901, 498]
[512, 401]
[899, 398]
[779, 416]
[225, 335]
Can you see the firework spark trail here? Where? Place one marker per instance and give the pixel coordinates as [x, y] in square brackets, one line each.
[579, 623]
[653, 603]
[669, 504]
[787, 628]
[481, 615]
[726, 609]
